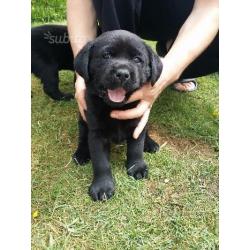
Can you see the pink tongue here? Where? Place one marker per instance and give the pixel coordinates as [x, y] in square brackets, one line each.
[116, 95]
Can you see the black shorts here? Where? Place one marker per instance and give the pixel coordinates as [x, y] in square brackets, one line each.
[158, 20]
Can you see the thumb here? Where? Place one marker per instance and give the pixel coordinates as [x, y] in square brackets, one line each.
[137, 95]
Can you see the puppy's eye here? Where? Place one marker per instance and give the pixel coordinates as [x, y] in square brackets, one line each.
[137, 59]
[106, 55]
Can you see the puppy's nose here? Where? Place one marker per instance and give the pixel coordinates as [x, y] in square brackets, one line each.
[122, 74]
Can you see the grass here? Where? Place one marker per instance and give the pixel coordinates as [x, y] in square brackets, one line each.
[176, 208]
[45, 11]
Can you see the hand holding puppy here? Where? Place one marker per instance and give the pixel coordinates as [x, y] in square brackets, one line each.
[80, 95]
[147, 96]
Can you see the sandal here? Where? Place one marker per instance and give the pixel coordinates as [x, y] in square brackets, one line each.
[184, 82]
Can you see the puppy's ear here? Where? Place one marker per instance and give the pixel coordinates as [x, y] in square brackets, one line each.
[155, 65]
[81, 62]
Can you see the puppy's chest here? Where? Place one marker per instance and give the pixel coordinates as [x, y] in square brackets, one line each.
[99, 119]
[118, 131]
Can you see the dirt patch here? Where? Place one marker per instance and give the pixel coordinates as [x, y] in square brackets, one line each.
[180, 145]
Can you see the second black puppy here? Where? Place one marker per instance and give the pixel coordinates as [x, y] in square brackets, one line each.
[114, 65]
[50, 53]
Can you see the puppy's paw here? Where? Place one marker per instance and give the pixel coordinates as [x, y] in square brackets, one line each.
[81, 158]
[66, 97]
[102, 188]
[151, 146]
[57, 95]
[138, 170]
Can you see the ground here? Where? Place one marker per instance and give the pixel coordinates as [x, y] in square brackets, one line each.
[175, 208]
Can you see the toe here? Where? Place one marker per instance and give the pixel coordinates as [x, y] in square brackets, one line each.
[94, 195]
[138, 170]
[185, 86]
[110, 194]
[80, 159]
[67, 97]
[138, 176]
[145, 173]
[178, 86]
[102, 196]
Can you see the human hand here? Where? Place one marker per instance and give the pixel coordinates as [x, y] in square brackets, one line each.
[147, 96]
[80, 95]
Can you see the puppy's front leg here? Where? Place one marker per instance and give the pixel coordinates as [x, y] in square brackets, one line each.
[136, 166]
[102, 187]
[82, 156]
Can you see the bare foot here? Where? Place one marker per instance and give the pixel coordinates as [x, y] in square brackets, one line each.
[185, 86]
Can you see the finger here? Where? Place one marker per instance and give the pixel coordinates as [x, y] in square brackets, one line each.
[81, 103]
[81, 110]
[141, 124]
[79, 96]
[136, 112]
[137, 95]
[80, 83]
[84, 104]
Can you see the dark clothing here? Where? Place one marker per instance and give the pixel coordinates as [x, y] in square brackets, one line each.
[158, 20]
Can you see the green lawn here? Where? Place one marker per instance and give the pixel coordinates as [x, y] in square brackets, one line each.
[45, 11]
[176, 208]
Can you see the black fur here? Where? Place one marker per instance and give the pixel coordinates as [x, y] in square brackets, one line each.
[50, 53]
[99, 63]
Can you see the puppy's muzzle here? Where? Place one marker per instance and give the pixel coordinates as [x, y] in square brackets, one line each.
[122, 75]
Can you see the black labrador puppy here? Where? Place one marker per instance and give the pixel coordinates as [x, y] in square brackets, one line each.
[114, 65]
[50, 53]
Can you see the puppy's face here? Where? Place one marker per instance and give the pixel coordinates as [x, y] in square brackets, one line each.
[116, 64]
